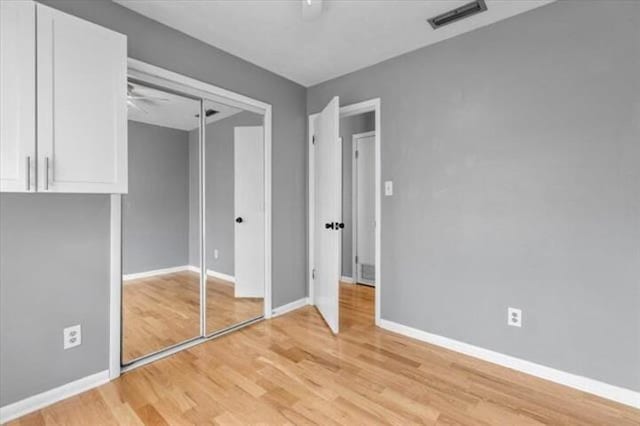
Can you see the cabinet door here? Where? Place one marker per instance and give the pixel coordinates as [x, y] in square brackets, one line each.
[82, 115]
[18, 96]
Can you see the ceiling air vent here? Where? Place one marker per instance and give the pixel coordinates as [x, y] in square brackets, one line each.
[457, 14]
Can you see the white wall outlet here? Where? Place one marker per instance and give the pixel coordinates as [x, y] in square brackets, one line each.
[72, 336]
[388, 188]
[514, 318]
[215, 253]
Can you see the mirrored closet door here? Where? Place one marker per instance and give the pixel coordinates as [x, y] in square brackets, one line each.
[193, 222]
[234, 216]
[161, 222]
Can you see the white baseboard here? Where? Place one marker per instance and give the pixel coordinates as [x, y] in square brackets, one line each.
[296, 304]
[41, 400]
[346, 279]
[155, 272]
[585, 384]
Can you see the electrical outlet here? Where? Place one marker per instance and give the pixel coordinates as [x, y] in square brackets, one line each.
[215, 253]
[514, 318]
[72, 336]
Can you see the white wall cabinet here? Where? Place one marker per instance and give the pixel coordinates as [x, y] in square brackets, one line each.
[80, 72]
[17, 96]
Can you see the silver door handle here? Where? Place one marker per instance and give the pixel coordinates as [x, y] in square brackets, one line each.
[28, 173]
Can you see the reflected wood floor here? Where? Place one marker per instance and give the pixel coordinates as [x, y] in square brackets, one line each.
[292, 370]
[163, 310]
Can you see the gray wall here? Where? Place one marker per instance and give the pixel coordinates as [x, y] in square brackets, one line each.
[80, 225]
[349, 126]
[219, 167]
[54, 273]
[155, 212]
[515, 155]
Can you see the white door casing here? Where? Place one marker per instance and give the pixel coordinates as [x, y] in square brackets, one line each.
[81, 104]
[328, 212]
[18, 96]
[249, 211]
[364, 176]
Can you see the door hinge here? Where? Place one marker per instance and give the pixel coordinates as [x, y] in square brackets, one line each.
[313, 139]
[357, 152]
[356, 259]
[313, 274]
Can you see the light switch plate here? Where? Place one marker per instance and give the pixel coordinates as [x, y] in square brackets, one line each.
[388, 188]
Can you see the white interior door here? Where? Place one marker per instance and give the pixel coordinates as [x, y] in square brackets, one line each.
[328, 213]
[365, 209]
[249, 211]
[17, 96]
[82, 105]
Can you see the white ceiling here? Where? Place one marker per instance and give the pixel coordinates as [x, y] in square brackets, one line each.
[174, 111]
[349, 35]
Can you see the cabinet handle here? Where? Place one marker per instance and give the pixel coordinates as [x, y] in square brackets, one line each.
[28, 173]
[46, 173]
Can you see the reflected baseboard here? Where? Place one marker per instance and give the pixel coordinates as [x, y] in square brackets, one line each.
[227, 279]
[155, 272]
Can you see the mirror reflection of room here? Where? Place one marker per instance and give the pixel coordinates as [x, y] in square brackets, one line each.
[160, 292]
[234, 217]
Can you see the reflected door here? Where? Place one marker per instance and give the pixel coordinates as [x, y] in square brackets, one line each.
[249, 210]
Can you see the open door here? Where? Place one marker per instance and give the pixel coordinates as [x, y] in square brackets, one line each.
[328, 213]
[249, 211]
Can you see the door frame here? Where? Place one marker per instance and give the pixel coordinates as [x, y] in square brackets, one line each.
[372, 105]
[354, 204]
[173, 81]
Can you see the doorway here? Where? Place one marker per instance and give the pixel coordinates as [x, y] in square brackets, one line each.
[329, 221]
[191, 240]
[363, 208]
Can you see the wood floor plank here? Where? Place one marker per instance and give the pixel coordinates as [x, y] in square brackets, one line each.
[293, 370]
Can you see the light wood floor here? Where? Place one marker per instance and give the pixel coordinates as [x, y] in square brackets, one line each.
[292, 370]
[163, 310]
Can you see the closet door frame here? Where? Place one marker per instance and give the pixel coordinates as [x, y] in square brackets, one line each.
[153, 75]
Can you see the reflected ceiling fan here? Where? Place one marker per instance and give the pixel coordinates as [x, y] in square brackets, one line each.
[135, 98]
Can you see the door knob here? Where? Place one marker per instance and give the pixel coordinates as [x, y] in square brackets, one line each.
[329, 225]
[238, 220]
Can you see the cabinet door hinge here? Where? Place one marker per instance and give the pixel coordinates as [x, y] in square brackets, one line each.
[313, 274]
[313, 139]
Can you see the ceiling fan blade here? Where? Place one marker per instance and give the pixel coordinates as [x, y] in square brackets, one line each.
[133, 105]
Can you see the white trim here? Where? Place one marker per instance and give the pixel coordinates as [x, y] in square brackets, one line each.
[172, 80]
[28, 405]
[347, 111]
[296, 304]
[268, 302]
[347, 279]
[115, 286]
[585, 384]
[155, 272]
[178, 82]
